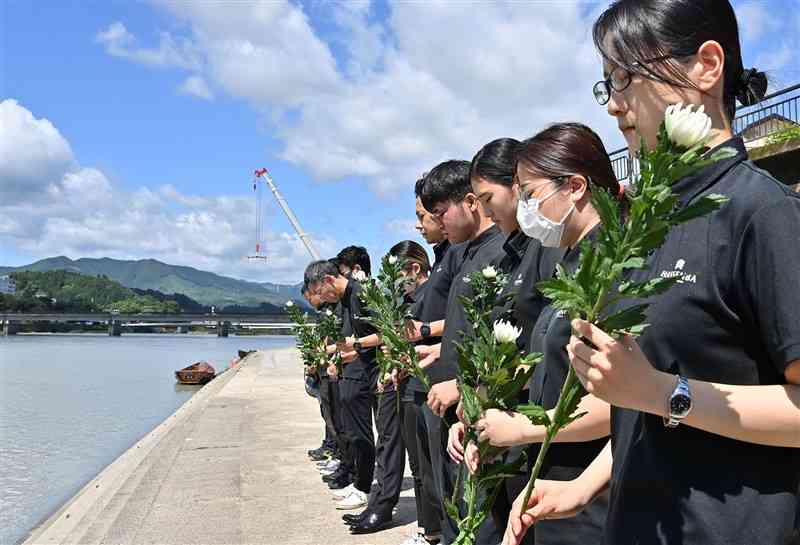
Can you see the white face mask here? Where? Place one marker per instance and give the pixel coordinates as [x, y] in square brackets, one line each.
[537, 226]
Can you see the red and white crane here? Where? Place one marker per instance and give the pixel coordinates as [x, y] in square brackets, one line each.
[262, 175]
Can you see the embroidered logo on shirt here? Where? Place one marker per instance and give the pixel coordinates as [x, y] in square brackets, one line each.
[683, 277]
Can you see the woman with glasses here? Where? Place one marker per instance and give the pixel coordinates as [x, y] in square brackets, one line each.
[706, 404]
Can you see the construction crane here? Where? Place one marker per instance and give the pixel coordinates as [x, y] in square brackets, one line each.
[262, 175]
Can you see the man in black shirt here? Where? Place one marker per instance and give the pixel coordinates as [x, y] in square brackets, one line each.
[328, 394]
[447, 194]
[359, 377]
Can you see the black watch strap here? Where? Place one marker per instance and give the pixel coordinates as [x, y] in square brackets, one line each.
[425, 330]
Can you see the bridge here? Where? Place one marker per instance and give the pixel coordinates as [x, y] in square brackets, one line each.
[221, 322]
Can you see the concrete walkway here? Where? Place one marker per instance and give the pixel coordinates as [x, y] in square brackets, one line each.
[229, 467]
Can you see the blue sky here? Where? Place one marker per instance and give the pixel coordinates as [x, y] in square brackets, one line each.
[131, 129]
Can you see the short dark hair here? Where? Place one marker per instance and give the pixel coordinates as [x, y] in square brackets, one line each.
[496, 162]
[419, 185]
[316, 271]
[448, 181]
[354, 255]
[646, 29]
[412, 252]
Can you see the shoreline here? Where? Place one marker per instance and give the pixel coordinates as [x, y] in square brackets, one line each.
[96, 493]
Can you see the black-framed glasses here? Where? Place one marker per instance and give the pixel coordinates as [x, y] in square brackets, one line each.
[618, 80]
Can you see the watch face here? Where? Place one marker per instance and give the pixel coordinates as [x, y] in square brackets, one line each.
[425, 330]
[679, 405]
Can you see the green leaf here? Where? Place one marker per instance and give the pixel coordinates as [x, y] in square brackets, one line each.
[701, 207]
[649, 288]
[534, 413]
[452, 510]
[624, 319]
[470, 402]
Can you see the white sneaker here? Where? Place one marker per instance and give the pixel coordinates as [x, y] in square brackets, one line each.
[355, 500]
[416, 539]
[331, 466]
[343, 492]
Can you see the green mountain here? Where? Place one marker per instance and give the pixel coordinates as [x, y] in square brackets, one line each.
[149, 274]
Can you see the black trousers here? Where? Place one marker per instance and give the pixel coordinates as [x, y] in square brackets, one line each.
[328, 392]
[390, 454]
[357, 400]
[445, 474]
[415, 436]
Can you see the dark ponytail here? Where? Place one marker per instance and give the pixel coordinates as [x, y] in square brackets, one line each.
[496, 161]
[412, 252]
[567, 149]
[641, 30]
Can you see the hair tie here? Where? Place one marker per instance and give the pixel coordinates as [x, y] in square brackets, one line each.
[751, 87]
[744, 79]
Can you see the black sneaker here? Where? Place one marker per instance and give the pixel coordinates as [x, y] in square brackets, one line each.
[338, 474]
[351, 518]
[322, 454]
[341, 482]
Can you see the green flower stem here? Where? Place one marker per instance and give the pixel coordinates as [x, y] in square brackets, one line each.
[552, 430]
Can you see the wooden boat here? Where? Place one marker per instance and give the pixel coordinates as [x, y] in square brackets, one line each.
[197, 373]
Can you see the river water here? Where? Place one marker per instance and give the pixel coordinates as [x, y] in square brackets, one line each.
[71, 404]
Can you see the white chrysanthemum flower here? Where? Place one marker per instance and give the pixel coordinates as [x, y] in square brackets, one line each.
[504, 332]
[687, 128]
[289, 304]
[329, 312]
[466, 279]
[358, 275]
[392, 259]
[489, 272]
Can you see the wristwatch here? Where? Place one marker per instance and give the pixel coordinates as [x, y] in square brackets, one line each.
[679, 404]
[357, 345]
[425, 330]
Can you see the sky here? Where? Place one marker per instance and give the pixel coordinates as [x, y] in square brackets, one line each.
[131, 129]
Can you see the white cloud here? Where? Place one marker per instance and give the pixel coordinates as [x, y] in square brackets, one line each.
[196, 86]
[170, 52]
[78, 212]
[33, 154]
[755, 20]
[432, 81]
[402, 228]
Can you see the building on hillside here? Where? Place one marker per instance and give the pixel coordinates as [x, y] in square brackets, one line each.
[7, 284]
[761, 132]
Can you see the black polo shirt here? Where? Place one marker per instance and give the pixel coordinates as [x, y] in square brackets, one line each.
[526, 262]
[416, 300]
[354, 323]
[433, 306]
[564, 461]
[486, 249]
[733, 319]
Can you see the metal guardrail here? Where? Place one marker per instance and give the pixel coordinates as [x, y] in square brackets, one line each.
[788, 107]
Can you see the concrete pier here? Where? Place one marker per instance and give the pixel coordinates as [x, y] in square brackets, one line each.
[229, 467]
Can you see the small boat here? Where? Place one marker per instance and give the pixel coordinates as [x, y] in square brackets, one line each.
[197, 373]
